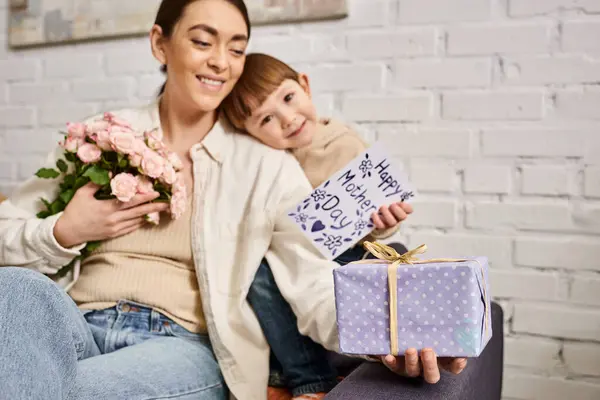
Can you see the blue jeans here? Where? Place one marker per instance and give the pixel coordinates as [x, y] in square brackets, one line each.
[49, 349]
[296, 361]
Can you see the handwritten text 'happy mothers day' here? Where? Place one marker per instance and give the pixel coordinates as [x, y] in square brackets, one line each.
[337, 214]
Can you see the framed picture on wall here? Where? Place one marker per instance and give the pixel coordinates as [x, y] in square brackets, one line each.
[40, 22]
[17, 4]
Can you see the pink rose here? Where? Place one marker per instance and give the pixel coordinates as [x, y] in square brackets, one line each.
[124, 186]
[178, 204]
[153, 133]
[76, 130]
[123, 142]
[118, 128]
[169, 175]
[135, 160]
[140, 147]
[103, 140]
[113, 119]
[97, 126]
[144, 185]
[71, 144]
[153, 218]
[153, 165]
[138, 135]
[154, 140]
[179, 184]
[89, 153]
[175, 161]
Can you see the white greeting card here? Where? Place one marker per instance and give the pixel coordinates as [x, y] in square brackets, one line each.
[337, 214]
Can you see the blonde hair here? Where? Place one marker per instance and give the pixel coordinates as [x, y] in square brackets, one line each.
[262, 75]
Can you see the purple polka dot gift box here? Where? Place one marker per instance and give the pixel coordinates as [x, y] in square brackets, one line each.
[443, 304]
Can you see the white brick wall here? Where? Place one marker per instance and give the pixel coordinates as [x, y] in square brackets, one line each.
[580, 103]
[582, 359]
[545, 180]
[592, 182]
[580, 36]
[545, 7]
[487, 178]
[502, 38]
[542, 354]
[458, 72]
[567, 322]
[427, 11]
[493, 106]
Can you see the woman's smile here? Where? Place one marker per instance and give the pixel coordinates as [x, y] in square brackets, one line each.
[211, 83]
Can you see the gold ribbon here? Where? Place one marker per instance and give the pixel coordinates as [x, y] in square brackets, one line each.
[389, 255]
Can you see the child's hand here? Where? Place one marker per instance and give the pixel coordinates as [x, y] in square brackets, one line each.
[389, 217]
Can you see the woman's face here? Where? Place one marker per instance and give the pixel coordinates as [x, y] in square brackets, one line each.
[205, 54]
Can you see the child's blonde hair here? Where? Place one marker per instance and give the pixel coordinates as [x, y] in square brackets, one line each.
[262, 75]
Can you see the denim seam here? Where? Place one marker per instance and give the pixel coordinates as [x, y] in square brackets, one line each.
[173, 396]
[315, 387]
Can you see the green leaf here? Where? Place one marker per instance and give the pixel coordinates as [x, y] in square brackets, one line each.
[124, 163]
[111, 157]
[82, 168]
[159, 187]
[57, 206]
[64, 270]
[163, 197]
[46, 202]
[80, 182]
[69, 181]
[103, 196]
[47, 173]
[91, 246]
[67, 195]
[98, 175]
[43, 214]
[62, 166]
[70, 157]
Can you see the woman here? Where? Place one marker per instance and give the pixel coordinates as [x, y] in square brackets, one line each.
[161, 312]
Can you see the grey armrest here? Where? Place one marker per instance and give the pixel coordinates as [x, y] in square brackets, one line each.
[481, 380]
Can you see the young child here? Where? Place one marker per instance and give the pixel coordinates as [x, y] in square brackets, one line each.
[272, 102]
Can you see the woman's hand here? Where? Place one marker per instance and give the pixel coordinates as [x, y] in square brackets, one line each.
[87, 219]
[429, 365]
[389, 217]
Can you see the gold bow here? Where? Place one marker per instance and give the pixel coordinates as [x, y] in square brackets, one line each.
[389, 255]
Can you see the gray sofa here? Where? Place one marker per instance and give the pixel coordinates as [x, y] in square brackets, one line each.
[481, 380]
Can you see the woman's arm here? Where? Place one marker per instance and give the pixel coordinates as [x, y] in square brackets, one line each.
[303, 276]
[26, 240]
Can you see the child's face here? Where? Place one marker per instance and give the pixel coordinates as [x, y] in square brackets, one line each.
[287, 119]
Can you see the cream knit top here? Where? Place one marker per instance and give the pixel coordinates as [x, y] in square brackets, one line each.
[153, 266]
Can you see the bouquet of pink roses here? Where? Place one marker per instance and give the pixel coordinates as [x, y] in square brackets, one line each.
[122, 161]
